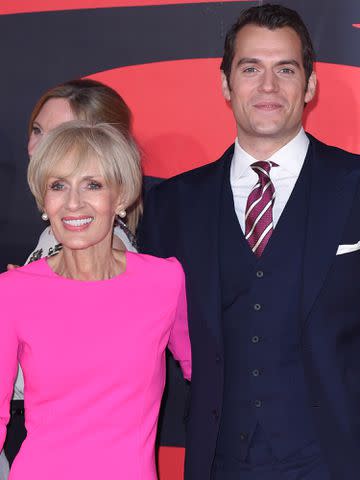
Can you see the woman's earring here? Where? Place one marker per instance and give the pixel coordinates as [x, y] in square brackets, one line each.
[44, 217]
[122, 213]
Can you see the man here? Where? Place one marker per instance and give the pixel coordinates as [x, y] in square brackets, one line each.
[268, 236]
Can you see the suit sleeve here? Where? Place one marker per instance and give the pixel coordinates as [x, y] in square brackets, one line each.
[179, 341]
[8, 362]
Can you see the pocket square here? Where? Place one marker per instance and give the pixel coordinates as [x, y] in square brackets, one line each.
[342, 249]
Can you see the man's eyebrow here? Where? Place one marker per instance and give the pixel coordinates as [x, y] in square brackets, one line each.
[257, 61]
[292, 62]
[248, 60]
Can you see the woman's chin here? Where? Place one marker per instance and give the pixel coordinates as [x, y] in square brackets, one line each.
[79, 244]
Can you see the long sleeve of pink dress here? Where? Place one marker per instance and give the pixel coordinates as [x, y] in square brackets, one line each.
[93, 357]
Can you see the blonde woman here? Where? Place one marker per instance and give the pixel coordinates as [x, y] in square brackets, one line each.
[89, 325]
[94, 102]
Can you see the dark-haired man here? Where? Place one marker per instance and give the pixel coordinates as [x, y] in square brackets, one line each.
[269, 237]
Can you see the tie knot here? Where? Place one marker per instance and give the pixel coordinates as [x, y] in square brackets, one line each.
[263, 167]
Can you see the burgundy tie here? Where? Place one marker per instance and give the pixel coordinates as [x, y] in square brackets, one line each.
[258, 214]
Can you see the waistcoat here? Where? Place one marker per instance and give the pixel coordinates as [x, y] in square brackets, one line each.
[264, 380]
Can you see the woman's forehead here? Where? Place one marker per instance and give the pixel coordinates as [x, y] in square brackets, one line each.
[77, 163]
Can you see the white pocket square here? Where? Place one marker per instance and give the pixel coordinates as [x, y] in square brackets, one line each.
[342, 249]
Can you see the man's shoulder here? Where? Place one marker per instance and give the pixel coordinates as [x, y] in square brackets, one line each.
[192, 178]
[341, 157]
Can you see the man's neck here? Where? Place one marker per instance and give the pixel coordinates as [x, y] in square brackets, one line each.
[262, 148]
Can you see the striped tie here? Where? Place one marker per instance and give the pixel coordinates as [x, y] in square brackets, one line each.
[258, 214]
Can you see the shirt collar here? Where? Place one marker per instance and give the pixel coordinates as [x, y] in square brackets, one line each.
[290, 157]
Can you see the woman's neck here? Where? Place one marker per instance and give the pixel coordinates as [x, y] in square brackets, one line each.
[89, 264]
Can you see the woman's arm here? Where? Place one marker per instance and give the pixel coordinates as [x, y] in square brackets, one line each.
[179, 341]
[8, 359]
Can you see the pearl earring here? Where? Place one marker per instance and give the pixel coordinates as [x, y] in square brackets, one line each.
[44, 217]
[122, 213]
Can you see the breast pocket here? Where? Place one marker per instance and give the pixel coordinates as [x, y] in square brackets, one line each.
[347, 249]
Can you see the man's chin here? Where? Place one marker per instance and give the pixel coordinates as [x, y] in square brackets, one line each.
[270, 131]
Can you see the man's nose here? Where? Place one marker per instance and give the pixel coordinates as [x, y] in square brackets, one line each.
[269, 81]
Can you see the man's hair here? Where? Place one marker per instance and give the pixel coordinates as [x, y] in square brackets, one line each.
[272, 17]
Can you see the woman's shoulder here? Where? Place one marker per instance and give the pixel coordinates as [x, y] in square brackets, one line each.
[25, 272]
[156, 265]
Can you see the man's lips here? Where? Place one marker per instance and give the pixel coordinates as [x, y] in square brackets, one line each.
[77, 223]
[268, 106]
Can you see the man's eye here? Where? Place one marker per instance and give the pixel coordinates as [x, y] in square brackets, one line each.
[94, 186]
[249, 70]
[287, 70]
[56, 186]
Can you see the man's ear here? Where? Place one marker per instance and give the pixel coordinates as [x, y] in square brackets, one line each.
[225, 86]
[311, 88]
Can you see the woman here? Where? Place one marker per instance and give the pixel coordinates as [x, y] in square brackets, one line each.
[89, 325]
[4, 466]
[94, 102]
[82, 99]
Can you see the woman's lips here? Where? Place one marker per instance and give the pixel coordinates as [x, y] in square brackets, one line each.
[77, 223]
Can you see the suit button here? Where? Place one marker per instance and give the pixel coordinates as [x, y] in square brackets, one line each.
[259, 274]
[255, 339]
[258, 403]
[257, 307]
[218, 358]
[215, 414]
[243, 436]
[255, 373]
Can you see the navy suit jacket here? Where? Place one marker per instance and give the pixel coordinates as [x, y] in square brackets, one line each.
[181, 219]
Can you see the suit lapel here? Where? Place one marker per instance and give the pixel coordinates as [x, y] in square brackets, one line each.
[202, 264]
[332, 191]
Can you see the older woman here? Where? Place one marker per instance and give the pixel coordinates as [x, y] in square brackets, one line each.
[91, 324]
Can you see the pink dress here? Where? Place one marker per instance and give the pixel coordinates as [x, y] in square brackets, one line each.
[93, 356]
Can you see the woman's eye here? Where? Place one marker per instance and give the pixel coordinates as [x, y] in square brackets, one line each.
[56, 186]
[36, 130]
[94, 186]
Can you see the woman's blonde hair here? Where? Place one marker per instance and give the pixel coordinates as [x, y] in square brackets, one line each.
[117, 154]
[94, 102]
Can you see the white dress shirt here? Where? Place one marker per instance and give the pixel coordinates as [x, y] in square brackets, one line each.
[290, 159]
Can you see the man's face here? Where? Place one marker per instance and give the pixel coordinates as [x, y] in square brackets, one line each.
[267, 88]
